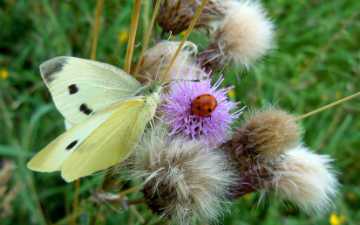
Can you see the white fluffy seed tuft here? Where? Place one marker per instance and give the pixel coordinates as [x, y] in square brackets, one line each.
[306, 179]
[157, 59]
[245, 34]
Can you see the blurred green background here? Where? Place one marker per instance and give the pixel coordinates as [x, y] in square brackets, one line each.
[317, 61]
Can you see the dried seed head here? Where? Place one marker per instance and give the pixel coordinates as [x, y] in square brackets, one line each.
[271, 131]
[176, 15]
[7, 195]
[265, 135]
[157, 59]
[244, 36]
[183, 179]
[6, 172]
[6, 208]
[304, 178]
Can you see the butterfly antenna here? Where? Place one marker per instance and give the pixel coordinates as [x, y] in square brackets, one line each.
[159, 118]
[162, 59]
[152, 124]
[179, 85]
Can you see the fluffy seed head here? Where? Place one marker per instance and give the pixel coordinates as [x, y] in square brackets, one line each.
[157, 59]
[244, 36]
[266, 134]
[183, 179]
[176, 15]
[306, 179]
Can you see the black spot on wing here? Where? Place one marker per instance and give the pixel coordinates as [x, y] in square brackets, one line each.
[73, 89]
[209, 110]
[71, 145]
[85, 109]
[51, 67]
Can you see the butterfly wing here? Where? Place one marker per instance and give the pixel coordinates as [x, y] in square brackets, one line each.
[53, 156]
[97, 143]
[81, 87]
[110, 143]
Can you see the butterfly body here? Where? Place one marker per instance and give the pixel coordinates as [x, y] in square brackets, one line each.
[105, 109]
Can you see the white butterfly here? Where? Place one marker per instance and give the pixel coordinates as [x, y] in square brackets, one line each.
[107, 108]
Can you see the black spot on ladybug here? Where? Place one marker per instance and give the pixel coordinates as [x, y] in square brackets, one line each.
[209, 110]
[73, 89]
[85, 109]
[198, 107]
[208, 94]
[198, 97]
[71, 145]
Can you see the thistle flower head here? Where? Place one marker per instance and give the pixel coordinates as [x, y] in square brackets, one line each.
[178, 110]
[304, 178]
[183, 179]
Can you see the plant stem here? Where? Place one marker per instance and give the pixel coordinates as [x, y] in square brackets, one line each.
[131, 40]
[193, 22]
[76, 200]
[136, 201]
[148, 219]
[147, 37]
[96, 31]
[328, 106]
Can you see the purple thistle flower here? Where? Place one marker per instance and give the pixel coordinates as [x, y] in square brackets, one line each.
[177, 110]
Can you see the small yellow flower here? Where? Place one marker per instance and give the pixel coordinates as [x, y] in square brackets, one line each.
[123, 36]
[334, 219]
[338, 95]
[4, 74]
[247, 197]
[300, 68]
[293, 80]
[342, 218]
[231, 93]
[351, 196]
[183, 33]
[307, 61]
[325, 97]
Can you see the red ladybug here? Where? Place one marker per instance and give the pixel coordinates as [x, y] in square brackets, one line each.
[203, 105]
